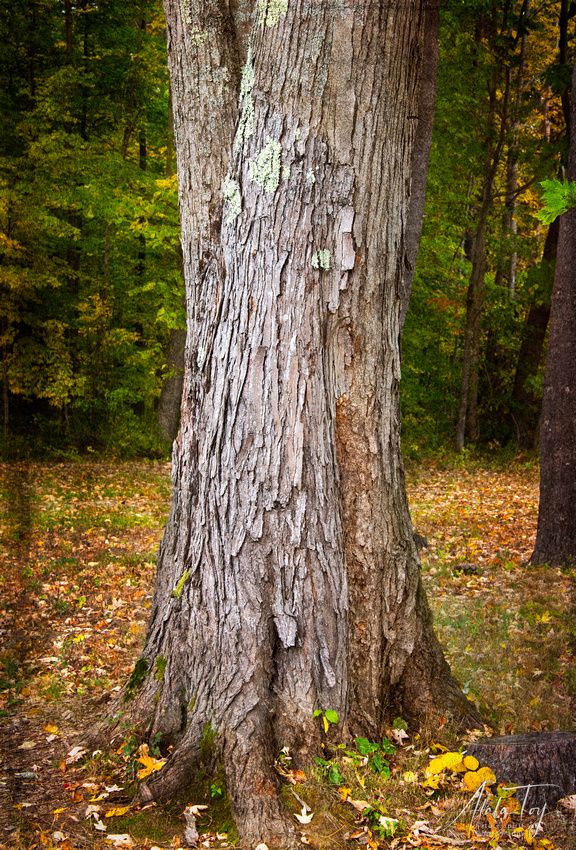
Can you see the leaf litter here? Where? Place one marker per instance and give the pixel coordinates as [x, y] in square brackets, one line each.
[78, 563]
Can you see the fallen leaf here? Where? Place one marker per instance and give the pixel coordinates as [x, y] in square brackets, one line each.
[399, 736]
[151, 765]
[92, 811]
[196, 810]
[410, 777]
[303, 817]
[117, 813]
[474, 779]
[75, 755]
[27, 745]
[50, 729]
[120, 840]
[568, 803]
[359, 805]
[447, 761]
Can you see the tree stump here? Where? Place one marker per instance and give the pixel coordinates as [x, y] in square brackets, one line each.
[543, 764]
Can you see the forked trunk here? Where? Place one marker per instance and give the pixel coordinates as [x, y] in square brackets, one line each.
[288, 578]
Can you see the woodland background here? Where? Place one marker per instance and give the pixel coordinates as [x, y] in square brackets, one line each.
[92, 321]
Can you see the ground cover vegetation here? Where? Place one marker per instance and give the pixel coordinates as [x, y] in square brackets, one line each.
[79, 546]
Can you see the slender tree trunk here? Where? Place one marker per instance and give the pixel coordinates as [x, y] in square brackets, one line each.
[288, 578]
[526, 403]
[467, 427]
[556, 533]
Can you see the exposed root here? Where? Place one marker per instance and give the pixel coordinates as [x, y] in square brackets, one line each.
[174, 777]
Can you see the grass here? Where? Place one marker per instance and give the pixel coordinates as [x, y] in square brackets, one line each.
[79, 547]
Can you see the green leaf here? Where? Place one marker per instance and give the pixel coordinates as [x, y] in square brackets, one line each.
[380, 765]
[366, 747]
[331, 715]
[334, 775]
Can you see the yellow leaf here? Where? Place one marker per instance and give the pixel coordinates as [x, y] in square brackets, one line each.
[151, 765]
[117, 813]
[447, 761]
[528, 837]
[50, 729]
[473, 779]
[432, 782]
[545, 617]
[344, 793]
[410, 777]
[470, 763]
[326, 724]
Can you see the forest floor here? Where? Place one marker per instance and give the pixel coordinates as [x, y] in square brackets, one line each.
[78, 549]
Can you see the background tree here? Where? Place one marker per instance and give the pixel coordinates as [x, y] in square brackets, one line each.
[492, 54]
[556, 534]
[288, 579]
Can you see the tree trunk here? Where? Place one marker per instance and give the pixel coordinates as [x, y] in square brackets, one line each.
[467, 426]
[171, 393]
[542, 764]
[526, 403]
[288, 578]
[556, 533]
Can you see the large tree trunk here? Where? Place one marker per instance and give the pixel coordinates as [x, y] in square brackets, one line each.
[288, 578]
[556, 533]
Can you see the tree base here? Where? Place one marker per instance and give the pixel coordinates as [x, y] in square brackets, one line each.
[543, 763]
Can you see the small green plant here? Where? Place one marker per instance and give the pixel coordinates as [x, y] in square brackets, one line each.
[216, 791]
[329, 717]
[330, 770]
[381, 824]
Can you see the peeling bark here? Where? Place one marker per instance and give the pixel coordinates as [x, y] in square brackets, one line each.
[288, 579]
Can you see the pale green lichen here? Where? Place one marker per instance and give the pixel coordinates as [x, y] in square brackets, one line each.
[310, 177]
[247, 121]
[177, 592]
[269, 11]
[266, 168]
[197, 36]
[322, 259]
[233, 198]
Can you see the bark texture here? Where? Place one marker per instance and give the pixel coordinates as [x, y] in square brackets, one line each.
[556, 532]
[288, 578]
[171, 394]
[543, 764]
[526, 402]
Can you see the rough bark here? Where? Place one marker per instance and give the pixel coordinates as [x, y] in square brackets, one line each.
[542, 764]
[556, 532]
[526, 403]
[288, 578]
[171, 393]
